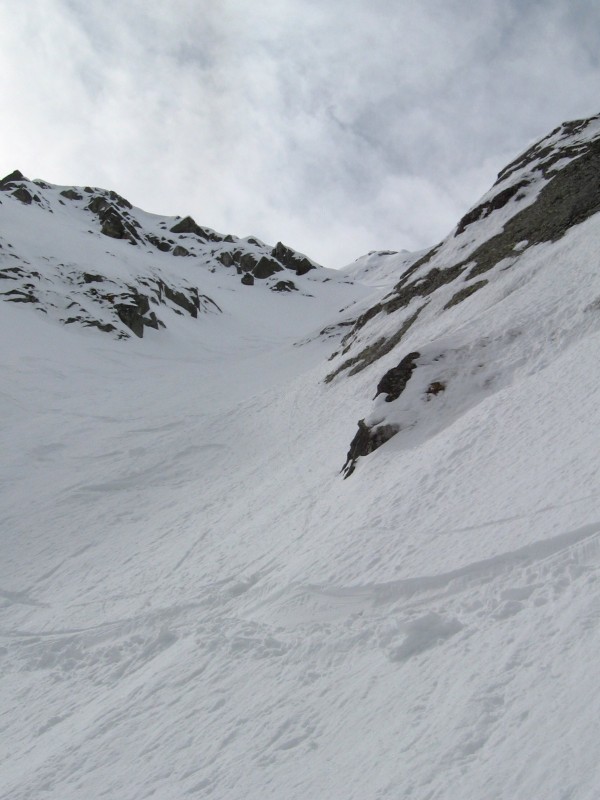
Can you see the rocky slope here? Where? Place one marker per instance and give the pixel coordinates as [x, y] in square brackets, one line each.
[56, 242]
[495, 249]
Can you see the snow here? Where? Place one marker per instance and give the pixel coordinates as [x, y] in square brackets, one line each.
[194, 603]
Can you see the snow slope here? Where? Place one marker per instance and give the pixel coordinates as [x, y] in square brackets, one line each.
[195, 603]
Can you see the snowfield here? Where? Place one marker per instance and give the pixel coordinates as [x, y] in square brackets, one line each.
[195, 603]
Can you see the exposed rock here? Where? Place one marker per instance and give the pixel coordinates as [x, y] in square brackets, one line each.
[71, 194]
[180, 251]
[284, 286]
[105, 327]
[292, 260]
[246, 261]
[113, 222]
[98, 204]
[365, 441]
[226, 258]
[435, 388]
[19, 296]
[394, 381]
[113, 226]
[485, 209]
[160, 244]
[372, 352]
[464, 293]
[11, 273]
[23, 195]
[248, 279]
[13, 177]
[189, 225]
[133, 313]
[191, 305]
[120, 201]
[89, 277]
[265, 268]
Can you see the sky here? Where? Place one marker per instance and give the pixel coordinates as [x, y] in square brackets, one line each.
[336, 126]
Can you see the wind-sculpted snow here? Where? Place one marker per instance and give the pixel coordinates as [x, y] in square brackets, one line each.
[195, 604]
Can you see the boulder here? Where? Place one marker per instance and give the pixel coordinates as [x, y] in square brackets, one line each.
[284, 286]
[23, 195]
[292, 260]
[265, 268]
[394, 381]
[189, 225]
[365, 441]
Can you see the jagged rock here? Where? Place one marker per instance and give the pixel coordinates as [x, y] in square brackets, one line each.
[13, 177]
[89, 277]
[120, 201]
[292, 260]
[113, 222]
[160, 244]
[246, 261]
[192, 306]
[365, 441]
[189, 225]
[180, 251]
[97, 204]
[23, 195]
[248, 279]
[265, 268]
[112, 225]
[284, 286]
[133, 314]
[394, 381]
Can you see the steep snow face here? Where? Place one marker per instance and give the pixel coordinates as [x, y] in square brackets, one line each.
[194, 603]
[475, 309]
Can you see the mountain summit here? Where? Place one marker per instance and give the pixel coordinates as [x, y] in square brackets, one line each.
[195, 603]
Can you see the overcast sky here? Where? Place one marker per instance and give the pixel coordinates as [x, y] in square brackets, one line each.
[337, 126]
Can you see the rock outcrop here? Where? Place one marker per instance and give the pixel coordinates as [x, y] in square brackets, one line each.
[537, 199]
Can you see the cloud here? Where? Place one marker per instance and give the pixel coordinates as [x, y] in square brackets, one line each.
[338, 127]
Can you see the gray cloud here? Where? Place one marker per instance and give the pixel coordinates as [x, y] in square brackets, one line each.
[336, 126]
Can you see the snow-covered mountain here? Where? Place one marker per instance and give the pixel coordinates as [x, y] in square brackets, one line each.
[194, 602]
